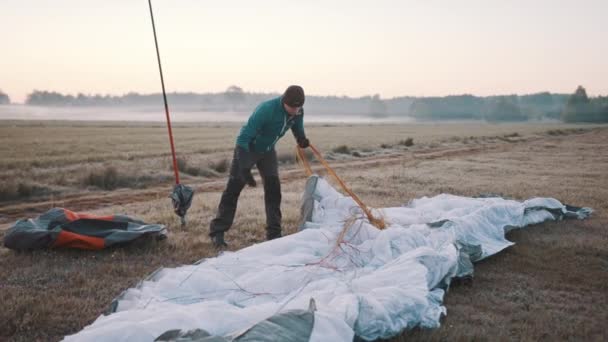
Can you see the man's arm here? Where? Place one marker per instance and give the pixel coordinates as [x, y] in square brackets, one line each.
[298, 131]
[298, 127]
[253, 126]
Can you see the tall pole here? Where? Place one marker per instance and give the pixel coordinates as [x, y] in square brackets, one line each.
[162, 82]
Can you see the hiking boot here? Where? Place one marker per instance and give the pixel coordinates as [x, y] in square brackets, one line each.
[218, 240]
[273, 235]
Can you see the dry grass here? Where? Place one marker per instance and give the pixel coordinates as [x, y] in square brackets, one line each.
[342, 149]
[59, 155]
[408, 142]
[552, 285]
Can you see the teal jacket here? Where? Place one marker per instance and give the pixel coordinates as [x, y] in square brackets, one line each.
[267, 125]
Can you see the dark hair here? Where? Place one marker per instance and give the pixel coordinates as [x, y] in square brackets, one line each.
[294, 96]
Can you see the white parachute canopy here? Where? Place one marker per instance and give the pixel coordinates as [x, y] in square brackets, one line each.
[309, 286]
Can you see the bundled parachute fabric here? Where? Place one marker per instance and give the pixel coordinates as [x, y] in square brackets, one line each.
[292, 326]
[182, 199]
[364, 281]
[60, 227]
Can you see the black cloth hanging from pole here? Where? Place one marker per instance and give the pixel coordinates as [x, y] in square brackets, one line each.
[182, 194]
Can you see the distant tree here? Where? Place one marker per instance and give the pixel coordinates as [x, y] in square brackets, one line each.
[421, 109]
[4, 99]
[579, 108]
[377, 107]
[45, 98]
[81, 99]
[541, 105]
[505, 108]
[447, 108]
[399, 105]
[235, 96]
[600, 106]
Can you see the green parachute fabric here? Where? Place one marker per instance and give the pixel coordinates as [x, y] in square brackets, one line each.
[60, 227]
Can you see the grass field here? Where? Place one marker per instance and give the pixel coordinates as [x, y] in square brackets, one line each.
[552, 285]
[53, 159]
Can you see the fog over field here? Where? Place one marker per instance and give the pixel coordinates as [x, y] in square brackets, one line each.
[147, 114]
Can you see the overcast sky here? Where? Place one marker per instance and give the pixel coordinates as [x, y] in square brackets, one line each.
[330, 47]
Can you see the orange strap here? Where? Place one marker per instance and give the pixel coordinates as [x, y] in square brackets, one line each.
[301, 157]
[378, 222]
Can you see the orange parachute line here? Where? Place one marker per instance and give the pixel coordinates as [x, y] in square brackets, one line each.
[301, 156]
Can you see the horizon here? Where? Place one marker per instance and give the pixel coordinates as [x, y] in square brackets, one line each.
[311, 95]
[343, 48]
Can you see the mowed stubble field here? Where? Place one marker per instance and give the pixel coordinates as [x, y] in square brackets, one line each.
[551, 285]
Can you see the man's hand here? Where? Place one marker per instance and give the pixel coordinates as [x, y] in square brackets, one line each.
[245, 164]
[303, 142]
[248, 177]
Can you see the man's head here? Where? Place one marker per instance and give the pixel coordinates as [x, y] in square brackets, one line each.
[293, 99]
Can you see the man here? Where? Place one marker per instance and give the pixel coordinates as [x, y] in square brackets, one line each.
[255, 146]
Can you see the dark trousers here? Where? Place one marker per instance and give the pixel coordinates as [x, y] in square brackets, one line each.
[268, 167]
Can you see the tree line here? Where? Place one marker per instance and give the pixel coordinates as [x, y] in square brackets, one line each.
[4, 99]
[576, 107]
[581, 108]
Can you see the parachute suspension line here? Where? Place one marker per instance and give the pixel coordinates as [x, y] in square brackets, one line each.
[301, 156]
[162, 82]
